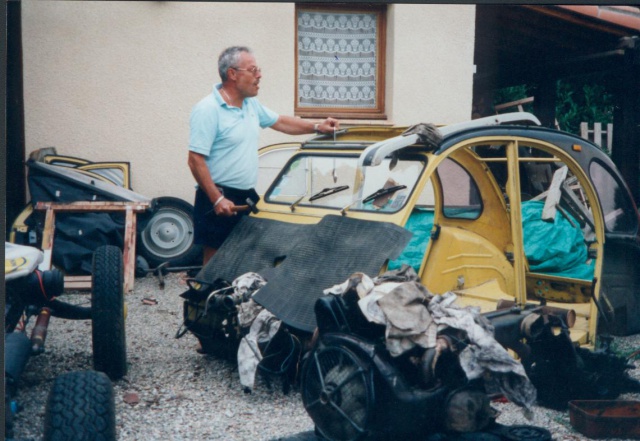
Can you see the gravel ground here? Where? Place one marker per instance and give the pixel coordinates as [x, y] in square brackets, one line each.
[174, 393]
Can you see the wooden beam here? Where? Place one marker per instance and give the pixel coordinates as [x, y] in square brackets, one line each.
[85, 206]
[47, 239]
[129, 246]
[129, 254]
[77, 283]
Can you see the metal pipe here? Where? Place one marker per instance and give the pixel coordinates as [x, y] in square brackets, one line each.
[567, 315]
[39, 332]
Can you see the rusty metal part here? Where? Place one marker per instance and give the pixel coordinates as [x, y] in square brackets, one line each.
[567, 315]
[39, 333]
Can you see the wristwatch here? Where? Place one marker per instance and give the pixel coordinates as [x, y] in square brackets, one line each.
[315, 128]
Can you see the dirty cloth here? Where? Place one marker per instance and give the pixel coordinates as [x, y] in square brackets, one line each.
[261, 323]
[262, 330]
[244, 287]
[484, 358]
[397, 301]
[413, 317]
[428, 134]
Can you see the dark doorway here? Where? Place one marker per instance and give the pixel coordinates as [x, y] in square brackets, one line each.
[539, 45]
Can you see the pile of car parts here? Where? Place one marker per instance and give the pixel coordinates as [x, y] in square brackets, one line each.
[352, 386]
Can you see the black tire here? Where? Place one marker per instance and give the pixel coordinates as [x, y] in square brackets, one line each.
[168, 235]
[80, 407]
[107, 313]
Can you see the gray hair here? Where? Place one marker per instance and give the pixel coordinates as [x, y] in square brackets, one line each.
[229, 58]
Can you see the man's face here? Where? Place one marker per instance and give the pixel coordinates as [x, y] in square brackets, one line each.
[247, 75]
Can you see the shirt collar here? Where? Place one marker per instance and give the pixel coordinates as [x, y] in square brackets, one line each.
[218, 96]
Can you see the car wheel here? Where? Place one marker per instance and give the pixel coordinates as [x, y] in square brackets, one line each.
[107, 313]
[168, 236]
[80, 406]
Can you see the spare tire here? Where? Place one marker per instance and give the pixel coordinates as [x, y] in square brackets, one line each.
[168, 235]
[80, 406]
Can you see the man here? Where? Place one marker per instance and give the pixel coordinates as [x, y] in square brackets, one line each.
[223, 145]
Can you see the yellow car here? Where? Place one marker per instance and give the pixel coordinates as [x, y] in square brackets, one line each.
[512, 218]
[477, 193]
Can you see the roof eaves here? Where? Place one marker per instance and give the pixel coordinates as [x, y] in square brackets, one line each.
[625, 16]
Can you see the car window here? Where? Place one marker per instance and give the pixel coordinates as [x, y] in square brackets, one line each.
[115, 174]
[619, 216]
[328, 181]
[460, 194]
[306, 175]
[270, 163]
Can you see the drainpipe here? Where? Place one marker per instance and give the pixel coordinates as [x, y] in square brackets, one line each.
[15, 136]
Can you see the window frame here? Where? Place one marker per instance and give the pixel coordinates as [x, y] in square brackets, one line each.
[381, 40]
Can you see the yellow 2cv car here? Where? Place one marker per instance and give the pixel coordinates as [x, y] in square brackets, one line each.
[471, 203]
[513, 218]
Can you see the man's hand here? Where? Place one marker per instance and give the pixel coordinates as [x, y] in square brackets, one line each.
[329, 125]
[225, 208]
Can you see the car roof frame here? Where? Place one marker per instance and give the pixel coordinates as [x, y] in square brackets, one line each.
[374, 154]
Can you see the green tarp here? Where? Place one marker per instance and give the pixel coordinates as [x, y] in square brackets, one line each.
[555, 248]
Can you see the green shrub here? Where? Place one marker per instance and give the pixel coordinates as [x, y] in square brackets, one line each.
[578, 100]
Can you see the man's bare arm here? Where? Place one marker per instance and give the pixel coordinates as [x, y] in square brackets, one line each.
[298, 126]
[200, 172]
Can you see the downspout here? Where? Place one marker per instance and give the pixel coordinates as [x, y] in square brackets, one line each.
[15, 135]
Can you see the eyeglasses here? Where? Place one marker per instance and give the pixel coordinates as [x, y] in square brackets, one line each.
[253, 71]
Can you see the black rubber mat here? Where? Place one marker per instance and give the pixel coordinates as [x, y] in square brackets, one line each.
[254, 245]
[310, 259]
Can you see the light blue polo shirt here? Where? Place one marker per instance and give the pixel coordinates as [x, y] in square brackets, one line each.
[228, 138]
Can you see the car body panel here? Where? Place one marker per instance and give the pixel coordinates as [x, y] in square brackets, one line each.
[118, 173]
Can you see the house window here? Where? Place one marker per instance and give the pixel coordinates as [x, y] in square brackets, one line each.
[340, 61]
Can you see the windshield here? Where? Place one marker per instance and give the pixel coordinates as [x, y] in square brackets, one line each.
[319, 180]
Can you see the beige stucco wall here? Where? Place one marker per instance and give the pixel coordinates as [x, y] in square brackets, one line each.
[117, 80]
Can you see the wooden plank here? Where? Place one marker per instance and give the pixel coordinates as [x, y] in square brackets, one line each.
[81, 206]
[584, 130]
[77, 283]
[554, 194]
[597, 134]
[129, 252]
[517, 103]
[47, 239]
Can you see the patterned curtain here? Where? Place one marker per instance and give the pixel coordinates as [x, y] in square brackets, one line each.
[337, 59]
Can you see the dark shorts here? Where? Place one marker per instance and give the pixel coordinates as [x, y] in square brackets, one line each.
[211, 230]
